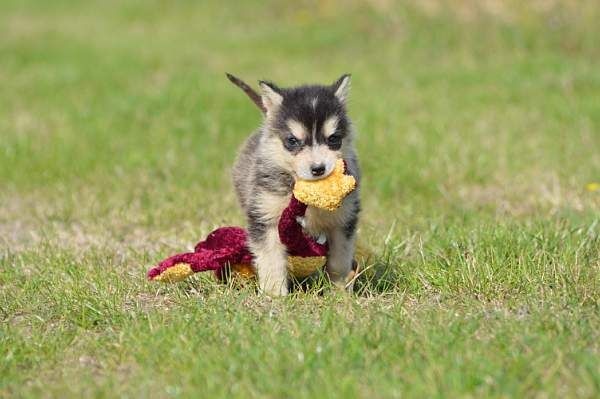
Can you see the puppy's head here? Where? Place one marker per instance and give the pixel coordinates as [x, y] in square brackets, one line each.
[307, 126]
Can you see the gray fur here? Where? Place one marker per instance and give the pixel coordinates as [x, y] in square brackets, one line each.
[243, 170]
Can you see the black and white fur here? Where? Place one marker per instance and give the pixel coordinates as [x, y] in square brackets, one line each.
[305, 130]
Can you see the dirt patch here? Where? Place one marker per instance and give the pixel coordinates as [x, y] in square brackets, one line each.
[546, 194]
[30, 221]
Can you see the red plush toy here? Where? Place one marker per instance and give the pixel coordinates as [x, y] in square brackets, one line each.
[227, 246]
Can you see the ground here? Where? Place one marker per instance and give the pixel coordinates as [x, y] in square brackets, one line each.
[479, 138]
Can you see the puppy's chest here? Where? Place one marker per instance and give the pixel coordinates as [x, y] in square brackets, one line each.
[317, 221]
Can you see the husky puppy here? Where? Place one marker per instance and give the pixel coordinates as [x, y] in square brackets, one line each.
[304, 131]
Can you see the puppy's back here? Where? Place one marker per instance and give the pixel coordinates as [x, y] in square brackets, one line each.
[243, 169]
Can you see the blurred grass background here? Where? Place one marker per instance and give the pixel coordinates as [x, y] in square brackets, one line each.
[478, 131]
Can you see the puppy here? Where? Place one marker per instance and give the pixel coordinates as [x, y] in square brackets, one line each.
[304, 131]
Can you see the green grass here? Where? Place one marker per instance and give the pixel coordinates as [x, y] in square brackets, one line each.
[479, 129]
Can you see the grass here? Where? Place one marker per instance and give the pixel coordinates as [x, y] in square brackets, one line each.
[479, 129]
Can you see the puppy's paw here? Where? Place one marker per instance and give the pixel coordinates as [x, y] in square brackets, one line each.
[273, 289]
[345, 283]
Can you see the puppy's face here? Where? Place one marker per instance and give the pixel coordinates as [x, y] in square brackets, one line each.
[309, 126]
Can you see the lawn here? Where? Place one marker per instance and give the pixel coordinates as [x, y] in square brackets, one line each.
[479, 139]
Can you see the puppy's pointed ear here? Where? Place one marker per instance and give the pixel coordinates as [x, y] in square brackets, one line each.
[341, 88]
[271, 96]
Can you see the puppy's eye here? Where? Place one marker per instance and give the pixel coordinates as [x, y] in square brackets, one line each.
[292, 141]
[334, 140]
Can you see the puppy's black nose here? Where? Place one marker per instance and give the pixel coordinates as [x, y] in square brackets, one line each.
[317, 169]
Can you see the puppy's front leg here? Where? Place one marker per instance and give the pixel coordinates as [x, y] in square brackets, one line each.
[341, 256]
[270, 256]
[271, 262]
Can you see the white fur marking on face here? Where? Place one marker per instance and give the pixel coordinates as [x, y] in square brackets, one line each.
[297, 129]
[314, 102]
[317, 154]
[274, 152]
[330, 125]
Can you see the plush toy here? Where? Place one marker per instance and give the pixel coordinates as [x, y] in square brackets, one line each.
[227, 246]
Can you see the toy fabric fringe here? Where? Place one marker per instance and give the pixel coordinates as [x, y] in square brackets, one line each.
[228, 246]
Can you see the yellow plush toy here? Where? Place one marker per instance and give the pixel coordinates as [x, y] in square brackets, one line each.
[327, 193]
